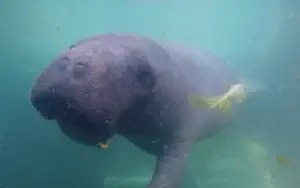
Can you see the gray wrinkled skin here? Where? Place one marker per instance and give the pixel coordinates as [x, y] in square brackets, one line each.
[135, 87]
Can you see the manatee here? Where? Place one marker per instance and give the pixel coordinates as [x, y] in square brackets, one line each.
[136, 87]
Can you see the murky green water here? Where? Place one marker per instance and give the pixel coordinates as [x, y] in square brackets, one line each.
[259, 39]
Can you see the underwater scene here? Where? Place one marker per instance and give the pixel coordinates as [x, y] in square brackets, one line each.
[150, 93]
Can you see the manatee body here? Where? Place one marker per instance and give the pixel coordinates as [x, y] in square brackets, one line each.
[138, 88]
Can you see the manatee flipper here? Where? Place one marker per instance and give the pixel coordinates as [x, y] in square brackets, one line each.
[188, 180]
[170, 166]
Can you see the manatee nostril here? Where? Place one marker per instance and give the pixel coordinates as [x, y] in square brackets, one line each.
[79, 70]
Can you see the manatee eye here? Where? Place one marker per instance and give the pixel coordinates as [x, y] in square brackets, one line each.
[145, 75]
[79, 70]
[139, 66]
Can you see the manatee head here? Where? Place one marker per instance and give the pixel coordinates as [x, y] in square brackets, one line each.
[88, 87]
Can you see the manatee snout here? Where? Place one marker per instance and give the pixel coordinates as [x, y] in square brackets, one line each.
[64, 92]
[74, 123]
